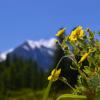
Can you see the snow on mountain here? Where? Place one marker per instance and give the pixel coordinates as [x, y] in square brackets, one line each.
[3, 55]
[47, 43]
[41, 51]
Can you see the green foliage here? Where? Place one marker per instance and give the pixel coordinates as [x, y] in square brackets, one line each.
[71, 97]
[83, 50]
[17, 74]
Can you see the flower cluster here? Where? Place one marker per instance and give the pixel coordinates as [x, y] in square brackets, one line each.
[87, 48]
[77, 33]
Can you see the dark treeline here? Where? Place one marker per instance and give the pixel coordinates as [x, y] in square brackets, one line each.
[18, 74]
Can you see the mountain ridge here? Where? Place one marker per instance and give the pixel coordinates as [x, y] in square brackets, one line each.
[41, 51]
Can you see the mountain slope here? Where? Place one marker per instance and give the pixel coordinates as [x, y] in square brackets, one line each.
[41, 51]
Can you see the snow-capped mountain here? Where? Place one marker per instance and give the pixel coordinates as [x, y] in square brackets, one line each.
[41, 51]
[3, 55]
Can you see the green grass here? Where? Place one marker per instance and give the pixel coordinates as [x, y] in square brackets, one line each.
[29, 94]
[25, 94]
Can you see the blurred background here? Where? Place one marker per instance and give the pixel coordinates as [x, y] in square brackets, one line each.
[28, 51]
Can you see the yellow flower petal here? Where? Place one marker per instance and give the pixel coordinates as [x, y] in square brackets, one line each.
[49, 77]
[54, 74]
[53, 71]
[81, 33]
[84, 57]
[77, 33]
[60, 32]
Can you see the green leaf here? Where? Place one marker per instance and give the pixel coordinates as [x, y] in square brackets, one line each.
[73, 68]
[98, 97]
[72, 97]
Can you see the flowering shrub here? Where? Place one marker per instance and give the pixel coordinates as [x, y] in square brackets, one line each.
[80, 43]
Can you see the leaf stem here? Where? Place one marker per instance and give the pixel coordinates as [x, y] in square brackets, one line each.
[50, 82]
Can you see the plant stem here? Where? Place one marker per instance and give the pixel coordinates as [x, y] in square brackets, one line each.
[50, 82]
[67, 84]
[47, 90]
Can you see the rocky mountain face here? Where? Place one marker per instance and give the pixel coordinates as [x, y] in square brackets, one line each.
[41, 51]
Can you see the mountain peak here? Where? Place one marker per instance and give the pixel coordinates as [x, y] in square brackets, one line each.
[41, 51]
[38, 44]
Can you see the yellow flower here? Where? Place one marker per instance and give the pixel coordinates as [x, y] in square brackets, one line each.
[84, 57]
[77, 33]
[54, 74]
[60, 32]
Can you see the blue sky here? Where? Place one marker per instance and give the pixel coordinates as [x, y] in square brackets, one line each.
[36, 19]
